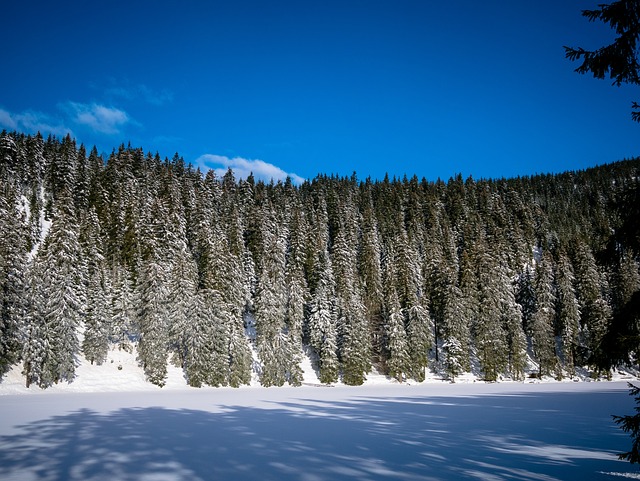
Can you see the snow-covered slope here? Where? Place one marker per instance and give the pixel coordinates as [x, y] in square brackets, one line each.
[122, 373]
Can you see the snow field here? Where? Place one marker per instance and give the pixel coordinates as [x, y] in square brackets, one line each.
[431, 431]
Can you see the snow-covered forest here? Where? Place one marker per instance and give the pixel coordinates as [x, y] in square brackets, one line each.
[227, 278]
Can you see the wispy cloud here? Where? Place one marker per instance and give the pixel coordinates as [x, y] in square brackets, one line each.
[105, 120]
[32, 121]
[141, 91]
[243, 167]
[155, 97]
[7, 121]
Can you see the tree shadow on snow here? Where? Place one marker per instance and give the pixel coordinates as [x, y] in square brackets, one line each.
[546, 436]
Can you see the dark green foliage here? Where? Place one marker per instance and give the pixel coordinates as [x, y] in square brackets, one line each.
[631, 424]
[400, 275]
[619, 60]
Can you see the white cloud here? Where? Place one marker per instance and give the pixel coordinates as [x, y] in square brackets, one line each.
[155, 97]
[141, 91]
[243, 167]
[106, 120]
[7, 121]
[31, 122]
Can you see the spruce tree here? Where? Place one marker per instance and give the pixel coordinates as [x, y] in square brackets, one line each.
[37, 354]
[152, 319]
[270, 305]
[322, 319]
[62, 283]
[567, 313]
[95, 344]
[352, 328]
[489, 331]
[455, 334]
[198, 340]
[13, 241]
[395, 336]
[182, 288]
[542, 321]
[594, 307]
[123, 309]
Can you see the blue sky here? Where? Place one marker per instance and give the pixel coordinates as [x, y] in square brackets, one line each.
[306, 87]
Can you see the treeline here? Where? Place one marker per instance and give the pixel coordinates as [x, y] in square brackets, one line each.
[400, 274]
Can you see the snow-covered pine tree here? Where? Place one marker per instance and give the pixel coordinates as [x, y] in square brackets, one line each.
[398, 361]
[199, 337]
[512, 322]
[218, 316]
[370, 270]
[567, 312]
[420, 338]
[37, 354]
[182, 288]
[270, 303]
[440, 268]
[413, 301]
[542, 321]
[95, 344]
[490, 335]
[321, 323]
[152, 298]
[353, 331]
[123, 309]
[239, 355]
[455, 334]
[627, 279]
[97, 320]
[297, 290]
[13, 242]
[222, 274]
[152, 320]
[62, 281]
[594, 307]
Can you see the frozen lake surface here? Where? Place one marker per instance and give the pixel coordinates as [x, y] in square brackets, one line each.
[505, 431]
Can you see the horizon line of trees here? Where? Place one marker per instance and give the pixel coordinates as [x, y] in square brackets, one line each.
[400, 274]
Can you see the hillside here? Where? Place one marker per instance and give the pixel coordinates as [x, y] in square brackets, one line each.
[229, 282]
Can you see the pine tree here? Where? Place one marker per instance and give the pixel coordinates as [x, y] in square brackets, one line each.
[369, 267]
[631, 424]
[322, 319]
[455, 334]
[398, 363]
[62, 290]
[199, 338]
[512, 322]
[271, 304]
[37, 353]
[627, 280]
[182, 288]
[414, 305]
[152, 318]
[240, 356]
[123, 312]
[352, 327]
[594, 308]
[297, 292]
[97, 292]
[541, 325]
[220, 319]
[489, 331]
[567, 312]
[396, 345]
[12, 282]
[419, 334]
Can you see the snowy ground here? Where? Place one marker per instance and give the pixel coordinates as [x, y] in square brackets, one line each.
[381, 431]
